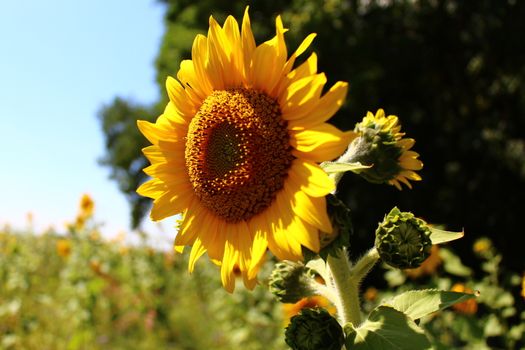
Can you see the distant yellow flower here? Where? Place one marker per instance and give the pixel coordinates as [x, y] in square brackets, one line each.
[428, 267]
[87, 206]
[482, 245]
[370, 294]
[468, 307]
[80, 222]
[237, 150]
[381, 144]
[290, 310]
[63, 247]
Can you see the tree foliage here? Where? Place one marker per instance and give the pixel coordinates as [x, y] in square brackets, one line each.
[451, 70]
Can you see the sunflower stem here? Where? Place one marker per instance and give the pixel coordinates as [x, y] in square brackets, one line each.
[347, 157]
[364, 265]
[346, 288]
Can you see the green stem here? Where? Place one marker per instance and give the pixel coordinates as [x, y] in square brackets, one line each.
[346, 289]
[347, 157]
[364, 265]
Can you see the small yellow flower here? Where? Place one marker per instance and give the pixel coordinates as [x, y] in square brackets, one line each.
[87, 206]
[237, 148]
[428, 267]
[63, 247]
[482, 245]
[469, 307]
[290, 310]
[370, 294]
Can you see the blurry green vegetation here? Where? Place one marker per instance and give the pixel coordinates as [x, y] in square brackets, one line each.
[80, 292]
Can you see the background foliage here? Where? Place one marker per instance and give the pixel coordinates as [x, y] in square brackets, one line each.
[77, 291]
[453, 71]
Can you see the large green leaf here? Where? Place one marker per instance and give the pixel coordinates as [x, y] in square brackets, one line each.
[342, 167]
[388, 329]
[441, 236]
[418, 303]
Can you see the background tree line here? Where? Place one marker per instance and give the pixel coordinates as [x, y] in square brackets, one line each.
[453, 71]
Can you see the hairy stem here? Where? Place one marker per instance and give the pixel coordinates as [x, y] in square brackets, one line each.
[346, 289]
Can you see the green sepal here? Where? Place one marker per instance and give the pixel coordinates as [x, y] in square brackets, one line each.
[441, 236]
[418, 303]
[386, 328]
[343, 167]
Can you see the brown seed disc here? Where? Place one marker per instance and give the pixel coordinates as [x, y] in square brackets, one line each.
[238, 153]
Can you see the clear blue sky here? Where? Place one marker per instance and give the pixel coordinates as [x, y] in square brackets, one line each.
[60, 61]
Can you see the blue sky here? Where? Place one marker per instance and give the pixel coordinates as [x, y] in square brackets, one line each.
[60, 61]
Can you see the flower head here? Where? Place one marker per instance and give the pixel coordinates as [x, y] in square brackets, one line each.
[63, 247]
[237, 147]
[314, 329]
[87, 206]
[380, 143]
[402, 240]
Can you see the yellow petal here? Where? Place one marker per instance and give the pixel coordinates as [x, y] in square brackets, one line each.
[188, 76]
[306, 234]
[268, 61]
[199, 55]
[259, 245]
[411, 163]
[248, 43]
[280, 243]
[153, 188]
[180, 98]
[190, 225]
[327, 106]
[230, 258]
[154, 132]
[310, 209]
[320, 143]
[301, 96]
[171, 203]
[310, 178]
[197, 250]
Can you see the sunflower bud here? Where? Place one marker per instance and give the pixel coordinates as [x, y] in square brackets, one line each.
[380, 143]
[291, 281]
[402, 240]
[314, 329]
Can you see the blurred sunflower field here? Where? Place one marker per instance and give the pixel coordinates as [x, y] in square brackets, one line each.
[79, 291]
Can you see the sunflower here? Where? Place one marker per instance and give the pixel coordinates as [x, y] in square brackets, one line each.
[237, 148]
[386, 149]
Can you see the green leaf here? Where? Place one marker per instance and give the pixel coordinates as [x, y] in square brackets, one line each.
[342, 167]
[418, 303]
[441, 236]
[386, 328]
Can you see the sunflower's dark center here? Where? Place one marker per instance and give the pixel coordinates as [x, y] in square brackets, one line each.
[238, 153]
